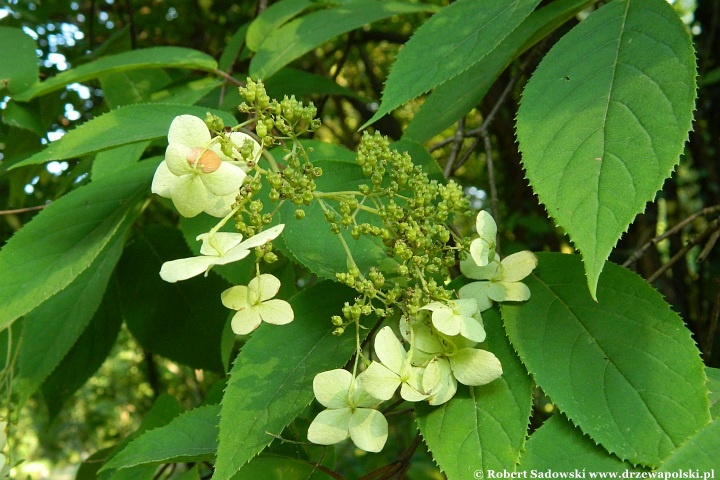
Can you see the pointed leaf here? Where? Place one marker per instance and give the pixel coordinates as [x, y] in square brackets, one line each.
[130, 124]
[51, 329]
[481, 428]
[700, 453]
[271, 19]
[713, 375]
[625, 369]
[190, 437]
[604, 119]
[59, 243]
[275, 467]
[271, 380]
[301, 35]
[155, 57]
[562, 447]
[426, 61]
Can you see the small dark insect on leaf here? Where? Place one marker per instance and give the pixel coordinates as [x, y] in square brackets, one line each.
[566, 78]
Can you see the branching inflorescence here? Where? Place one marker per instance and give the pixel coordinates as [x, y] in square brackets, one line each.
[219, 170]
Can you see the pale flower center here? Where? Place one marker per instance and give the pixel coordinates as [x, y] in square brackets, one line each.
[207, 160]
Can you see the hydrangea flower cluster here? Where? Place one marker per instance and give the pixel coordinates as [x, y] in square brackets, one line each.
[435, 342]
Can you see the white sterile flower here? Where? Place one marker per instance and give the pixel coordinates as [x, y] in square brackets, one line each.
[218, 248]
[457, 317]
[350, 412]
[255, 304]
[482, 249]
[394, 370]
[501, 280]
[196, 175]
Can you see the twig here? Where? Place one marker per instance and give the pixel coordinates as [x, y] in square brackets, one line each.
[22, 210]
[457, 141]
[133, 30]
[715, 226]
[491, 181]
[679, 226]
[712, 329]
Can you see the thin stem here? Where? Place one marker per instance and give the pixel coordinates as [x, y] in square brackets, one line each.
[23, 210]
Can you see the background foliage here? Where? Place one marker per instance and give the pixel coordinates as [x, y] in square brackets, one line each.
[93, 87]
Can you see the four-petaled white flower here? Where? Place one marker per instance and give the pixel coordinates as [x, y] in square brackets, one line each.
[350, 412]
[394, 370]
[255, 304]
[218, 248]
[482, 250]
[458, 317]
[501, 279]
[196, 175]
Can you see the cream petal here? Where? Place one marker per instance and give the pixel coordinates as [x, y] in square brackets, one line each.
[189, 130]
[447, 385]
[368, 429]
[245, 321]
[263, 237]
[227, 179]
[446, 322]
[389, 349]
[485, 225]
[411, 389]
[235, 298]
[472, 329]
[330, 426]
[189, 196]
[471, 270]
[268, 286]
[220, 206]
[467, 307]
[379, 381]
[331, 388]
[517, 266]
[163, 181]
[508, 292]
[277, 312]
[184, 268]
[176, 156]
[478, 291]
[218, 243]
[475, 367]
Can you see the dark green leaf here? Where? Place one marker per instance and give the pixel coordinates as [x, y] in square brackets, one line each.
[130, 124]
[87, 355]
[182, 321]
[713, 384]
[481, 427]
[275, 467]
[114, 159]
[271, 380]
[51, 329]
[301, 35]
[156, 57]
[562, 447]
[700, 453]
[273, 18]
[235, 49]
[190, 437]
[625, 369]
[425, 62]
[63, 240]
[604, 119]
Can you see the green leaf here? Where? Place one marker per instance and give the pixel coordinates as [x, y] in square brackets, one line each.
[271, 19]
[301, 35]
[115, 159]
[62, 241]
[182, 321]
[291, 81]
[453, 99]
[155, 57]
[604, 119]
[275, 467]
[164, 409]
[310, 241]
[19, 64]
[235, 50]
[624, 369]
[135, 86]
[86, 356]
[271, 380]
[190, 437]
[700, 453]
[51, 329]
[21, 116]
[481, 427]
[130, 124]
[713, 375]
[425, 62]
[561, 447]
